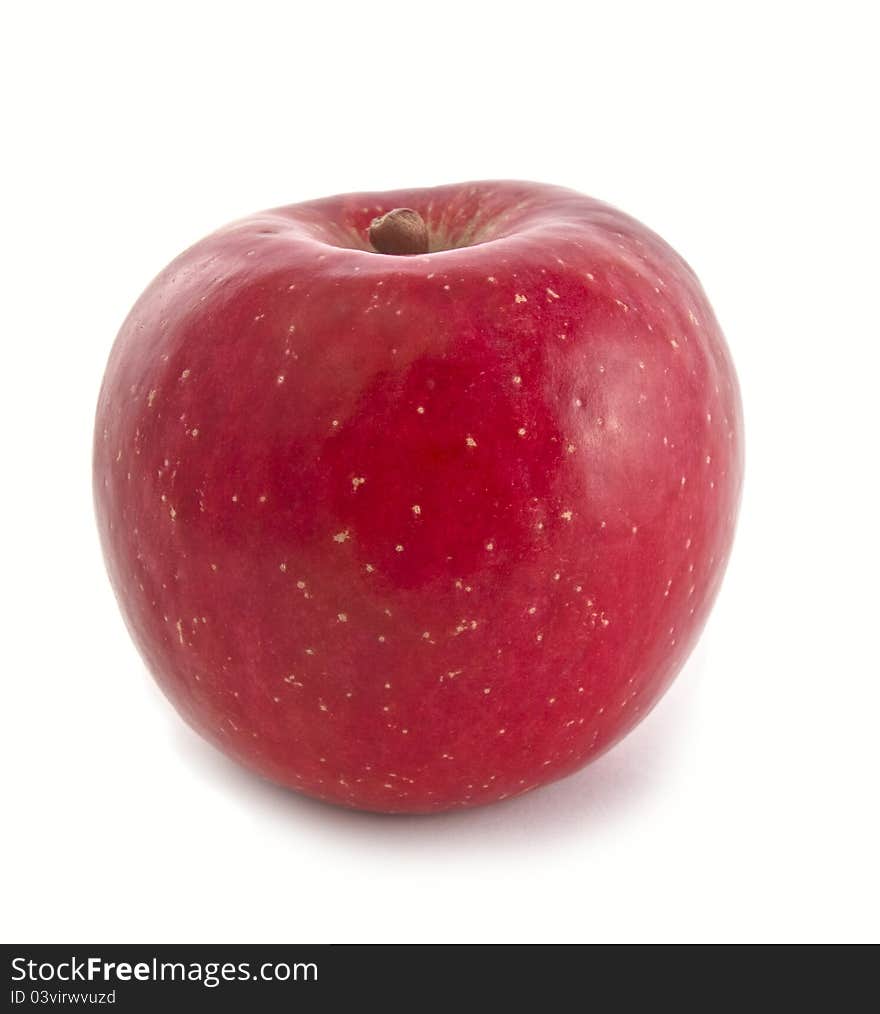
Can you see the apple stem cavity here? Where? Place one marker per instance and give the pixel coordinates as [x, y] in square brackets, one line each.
[402, 232]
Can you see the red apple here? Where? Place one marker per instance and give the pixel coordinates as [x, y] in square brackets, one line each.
[419, 530]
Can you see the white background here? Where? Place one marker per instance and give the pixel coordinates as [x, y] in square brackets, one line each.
[745, 807]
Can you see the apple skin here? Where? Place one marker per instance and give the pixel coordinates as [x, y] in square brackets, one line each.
[414, 533]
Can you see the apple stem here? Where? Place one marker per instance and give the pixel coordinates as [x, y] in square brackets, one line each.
[401, 231]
